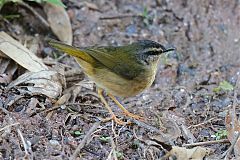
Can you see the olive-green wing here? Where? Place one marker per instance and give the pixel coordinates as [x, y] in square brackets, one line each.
[120, 60]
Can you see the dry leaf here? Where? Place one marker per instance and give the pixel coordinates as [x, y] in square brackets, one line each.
[59, 22]
[233, 128]
[3, 55]
[91, 5]
[20, 54]
[182, 153]
[62, 100]
[49, 83]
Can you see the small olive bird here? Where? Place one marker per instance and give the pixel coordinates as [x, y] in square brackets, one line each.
[122, 71]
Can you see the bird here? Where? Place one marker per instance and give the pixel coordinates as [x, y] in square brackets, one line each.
[121, 71]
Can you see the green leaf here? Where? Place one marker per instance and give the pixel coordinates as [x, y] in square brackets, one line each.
[37, 1]
[77, 133]
[119, 154]
[226, 86]
[217, 89]
[56, 2]
[145, 13]
[221, 134]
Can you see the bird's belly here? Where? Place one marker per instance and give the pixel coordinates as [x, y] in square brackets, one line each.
[119, 86]
[115, 84]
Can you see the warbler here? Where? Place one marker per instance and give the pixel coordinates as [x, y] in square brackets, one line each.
[122, 71]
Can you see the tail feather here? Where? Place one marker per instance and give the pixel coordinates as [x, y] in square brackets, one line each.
[73, 51]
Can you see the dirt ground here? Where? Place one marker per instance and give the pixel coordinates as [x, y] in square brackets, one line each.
[183, 106]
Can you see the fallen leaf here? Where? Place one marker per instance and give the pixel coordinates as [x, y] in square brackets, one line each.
[233, 128]
[183, 153]
[3, 55]
[20, 54]
[62, 100]
[49, 83]
[91, 5]
[59, 22]
[196, 153]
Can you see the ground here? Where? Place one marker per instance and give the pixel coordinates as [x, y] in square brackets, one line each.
[186, 103]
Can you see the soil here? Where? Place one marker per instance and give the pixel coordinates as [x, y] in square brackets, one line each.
[181, 107]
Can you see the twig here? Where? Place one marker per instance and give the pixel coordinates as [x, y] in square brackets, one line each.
[202, 123]
[35, 13]
[18, 130]
[227, 153]
[83, 142]
[113, 151]
[4, 110]
[51, 62]
[61, 57]
[206, 143]
[23, 141]
[119, 16]
[235, 140]
[10, 125]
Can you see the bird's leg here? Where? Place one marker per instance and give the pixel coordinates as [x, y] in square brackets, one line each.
[113, 116]
[125, 111]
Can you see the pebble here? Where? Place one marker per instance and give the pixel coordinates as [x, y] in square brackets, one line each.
[54, 142]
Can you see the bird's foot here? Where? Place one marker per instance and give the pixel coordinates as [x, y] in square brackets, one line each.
[129, 114]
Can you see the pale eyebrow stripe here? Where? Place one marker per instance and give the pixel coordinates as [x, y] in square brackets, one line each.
[152, 49]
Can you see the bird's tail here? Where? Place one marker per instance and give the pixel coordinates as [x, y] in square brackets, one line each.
[73, 51]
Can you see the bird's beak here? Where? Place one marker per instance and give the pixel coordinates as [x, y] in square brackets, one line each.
[168, 50]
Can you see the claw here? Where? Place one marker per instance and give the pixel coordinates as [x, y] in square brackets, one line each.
[125, 111]
[113, 116]
[129, 114]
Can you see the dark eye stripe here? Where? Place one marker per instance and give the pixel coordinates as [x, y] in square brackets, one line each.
[153, 52]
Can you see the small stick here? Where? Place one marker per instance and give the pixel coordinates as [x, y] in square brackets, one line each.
[23, 141]
[205, 122]
[10, 125]
[121, 16]
[83, 142]
[61, 57]
[18, 130]
[113, 151]
[235, 140]
[206, 143]
[227, 153]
